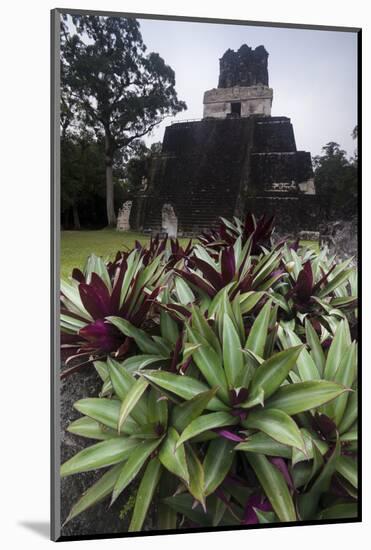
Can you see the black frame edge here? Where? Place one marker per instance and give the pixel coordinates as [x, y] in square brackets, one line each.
[196, 19]
[55, 516]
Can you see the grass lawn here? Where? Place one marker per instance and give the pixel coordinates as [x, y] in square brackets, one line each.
[76, 246]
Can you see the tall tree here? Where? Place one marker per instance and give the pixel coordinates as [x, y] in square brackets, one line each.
[82, 178]
[116, 88]
[335, 176]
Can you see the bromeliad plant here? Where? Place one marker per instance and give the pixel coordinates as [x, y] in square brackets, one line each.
[137, 429]
[234, 267]
[126, 288]
[172, 248]
[259, 231]
[317, 288]
[237, 402]
[245, 435]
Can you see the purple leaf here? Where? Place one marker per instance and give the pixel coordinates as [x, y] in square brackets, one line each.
[219, 493]
[177, 309]
[176, 353]
[138, 318]
[69, 339]
[188, 248]
[281, 465]
[238, 396]
[208, 272]
[246, 283]
[225, 235]
[249, 224]
[117, 286]
[101, 292]
[227, 434]
[104, 336]
[228, 265]
[324, 424]
[197, 281]
[124, 348]
[293, 245]
[91, 301]
[78, 275]
[258, 502]
[184, 366]
[261, 233]
[236, 480]
[304, 284]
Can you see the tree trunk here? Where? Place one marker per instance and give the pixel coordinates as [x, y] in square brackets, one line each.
[76, 217]
[67, 217]
[111, 215]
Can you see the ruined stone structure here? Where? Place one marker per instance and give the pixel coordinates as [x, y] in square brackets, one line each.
[243, 85]
[246, 67]
[238, 158]
[124, 216]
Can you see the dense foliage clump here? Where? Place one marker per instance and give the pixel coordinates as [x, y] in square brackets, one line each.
[229, 379]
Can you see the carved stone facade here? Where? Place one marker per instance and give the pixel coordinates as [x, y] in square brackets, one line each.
[238, 101]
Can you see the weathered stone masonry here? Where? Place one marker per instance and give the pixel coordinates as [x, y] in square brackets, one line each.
[238, 158]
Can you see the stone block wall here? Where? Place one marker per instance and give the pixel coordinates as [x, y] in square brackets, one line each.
[198, 173]
[274, 134]
[292, 213]
[279, 172]
[212, 168]
[254, 100]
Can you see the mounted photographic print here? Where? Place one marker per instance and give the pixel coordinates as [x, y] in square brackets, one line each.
[205, 188]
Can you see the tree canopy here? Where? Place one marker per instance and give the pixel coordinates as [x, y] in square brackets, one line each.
[335, 175]
[111, 85]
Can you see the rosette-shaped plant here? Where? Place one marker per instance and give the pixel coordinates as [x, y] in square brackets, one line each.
[126, 288]
[317, 288]
[272, 406]
[235, 267]
[171, 248]
[140, 434]
[233, 400]
[239, 438]
[259, 231]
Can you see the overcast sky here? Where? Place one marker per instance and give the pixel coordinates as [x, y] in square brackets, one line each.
[313, 74]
